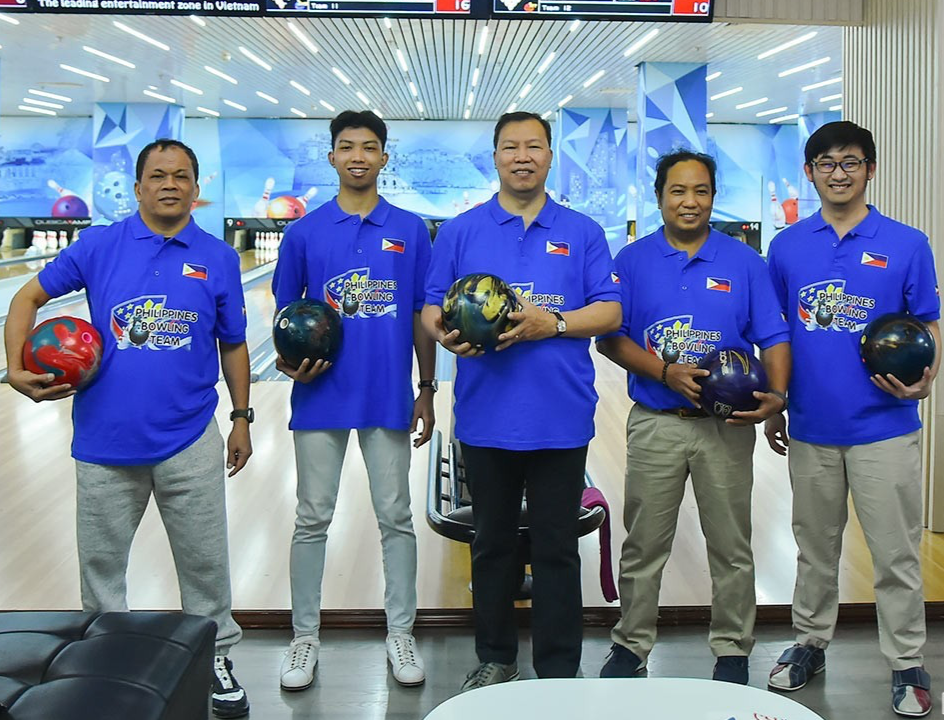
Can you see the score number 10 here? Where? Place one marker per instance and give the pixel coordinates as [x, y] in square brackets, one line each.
[690, 7]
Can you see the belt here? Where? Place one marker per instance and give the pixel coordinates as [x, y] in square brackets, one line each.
[686, 413]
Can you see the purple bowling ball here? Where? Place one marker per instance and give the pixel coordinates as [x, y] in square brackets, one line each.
[735, 375]
[70, 206]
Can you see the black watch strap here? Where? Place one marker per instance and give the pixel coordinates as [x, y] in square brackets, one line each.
[782, 396]
[247, 413]
[431, 384]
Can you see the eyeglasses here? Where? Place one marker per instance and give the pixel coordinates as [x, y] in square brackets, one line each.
[828, 167]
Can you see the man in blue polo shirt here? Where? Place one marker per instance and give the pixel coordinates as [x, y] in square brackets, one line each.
[162, 294]
[686, 291]
[524, 414]
[834, 272]
[367, 259]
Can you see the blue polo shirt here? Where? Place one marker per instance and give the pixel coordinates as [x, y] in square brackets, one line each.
[830, 289]
[534, 395]
[160, 307]
[680, 308]
[371, 271]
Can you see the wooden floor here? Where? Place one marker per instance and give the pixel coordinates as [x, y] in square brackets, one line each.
[38, 568]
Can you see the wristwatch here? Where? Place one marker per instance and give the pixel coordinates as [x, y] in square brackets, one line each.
[247, 413]
[431, 384]
[561, 323]
[782, 396]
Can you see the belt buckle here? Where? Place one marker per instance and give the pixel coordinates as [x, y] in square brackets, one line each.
[690, 413]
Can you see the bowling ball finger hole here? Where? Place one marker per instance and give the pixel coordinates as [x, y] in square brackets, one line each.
[86, 337]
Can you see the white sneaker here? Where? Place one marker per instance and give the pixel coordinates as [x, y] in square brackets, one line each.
[298, 666]
[405, 661]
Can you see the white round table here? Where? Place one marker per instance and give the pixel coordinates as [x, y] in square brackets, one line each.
[627, 698]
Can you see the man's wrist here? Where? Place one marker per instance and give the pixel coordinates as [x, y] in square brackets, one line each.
[783, 398]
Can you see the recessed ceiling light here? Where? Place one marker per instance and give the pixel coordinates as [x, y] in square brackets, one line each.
[788, 44]
[774, 111]
[713, 76]
[401, 61]
[467, 114]
[471, 98]
[185, 86]
[376, 112]
[419, 106]
[41, 111]
[565, 101]
[255, 58]
[483, 36]
[784, 118]
[141, 35]
[43, 103]
[512, 108]
[363, 97]
[389, 26]
[524, 91]
[413, 89]
[837, 96]
[804, 66]
[475, 77]
[640, 42]
[824, 83]
[198, 20]
[341, 76]
[301, 88]
[85, 73]
[220, 74]
[547, 61]
[235, 105]
[709, 116]
[302, 37]
[53, 96]
[593, 78]
[546, 115]
[214, 113]
[12, 21]
[106, 56]
[752, 103]
[298, 112]
[574, 25]
[326, 106]
[266, 96]
[158, 96]
[732, 91]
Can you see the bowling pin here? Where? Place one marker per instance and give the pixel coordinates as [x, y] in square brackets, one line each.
[790, 205]
[39, 240]
[259, 210]
[61, 190]
[63, 240]
[303, 199]
[776, 211]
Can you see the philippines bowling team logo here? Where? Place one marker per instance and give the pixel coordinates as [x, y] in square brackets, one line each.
[354, 294]
[146, 323]
[548, 301]
[675, 339]
[826, 305]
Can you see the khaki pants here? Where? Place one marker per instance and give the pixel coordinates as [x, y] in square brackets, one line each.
[661, 452]
[885, 481]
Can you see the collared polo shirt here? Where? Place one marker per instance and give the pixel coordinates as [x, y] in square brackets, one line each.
[681, 308]
[160, 306]
[534, 395]
[370, 270]
[830, 289]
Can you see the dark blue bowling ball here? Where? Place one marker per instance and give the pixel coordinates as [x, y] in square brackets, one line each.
[898, 344]
[477, 305]
[307, 329]
[734, 376]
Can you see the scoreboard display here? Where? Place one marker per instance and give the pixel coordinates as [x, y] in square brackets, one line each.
[635, 10]
[640, 10]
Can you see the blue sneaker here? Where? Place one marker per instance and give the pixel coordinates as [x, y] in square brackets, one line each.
[796, 667]
[911, 692]
[732, 669]
[621, 662]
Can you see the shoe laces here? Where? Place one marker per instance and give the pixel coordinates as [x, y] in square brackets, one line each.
[405, 648]
[299, 654]
[482, 675]
[222, 670]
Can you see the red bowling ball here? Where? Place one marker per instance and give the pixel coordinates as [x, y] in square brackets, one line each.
[285, 207]
[68, 347]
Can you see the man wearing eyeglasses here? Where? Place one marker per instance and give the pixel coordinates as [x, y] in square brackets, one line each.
[851, 433]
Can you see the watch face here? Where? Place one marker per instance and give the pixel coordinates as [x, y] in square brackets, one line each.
[561, 326]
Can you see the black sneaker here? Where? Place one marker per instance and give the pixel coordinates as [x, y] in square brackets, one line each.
[229, 698]
[732, 669]
[622, 662]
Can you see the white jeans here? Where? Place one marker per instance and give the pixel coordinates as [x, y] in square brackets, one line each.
[319, 455]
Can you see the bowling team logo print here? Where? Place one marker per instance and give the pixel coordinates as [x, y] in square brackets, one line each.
[354, 294]
[675, 339]
[145, 322]
[826, 305]
[548, 301]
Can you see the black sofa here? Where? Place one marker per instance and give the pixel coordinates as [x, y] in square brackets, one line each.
[109, 666]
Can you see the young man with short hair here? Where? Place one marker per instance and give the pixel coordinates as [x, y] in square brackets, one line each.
[367, 259]
[834, 272]
[163, 294]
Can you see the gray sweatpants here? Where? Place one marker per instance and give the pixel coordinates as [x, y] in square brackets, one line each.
[189, 489]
